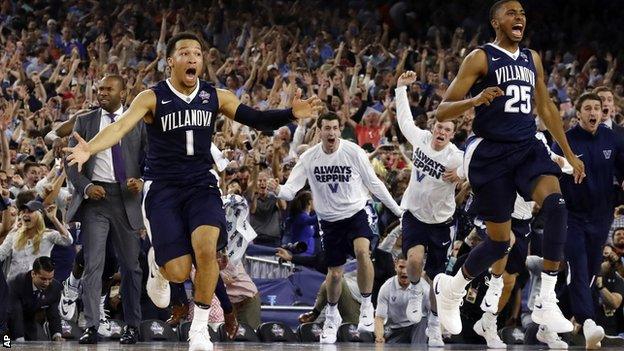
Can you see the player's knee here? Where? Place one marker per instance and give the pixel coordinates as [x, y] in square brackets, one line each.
[555, 205]
[362, 253]
[498, 248]
[205, 254]
[334, 276]
[178, 274]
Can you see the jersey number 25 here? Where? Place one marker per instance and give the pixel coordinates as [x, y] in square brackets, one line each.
[519, 99]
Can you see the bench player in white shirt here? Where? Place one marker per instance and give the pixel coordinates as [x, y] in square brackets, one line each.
[429, 202]
[340, 175]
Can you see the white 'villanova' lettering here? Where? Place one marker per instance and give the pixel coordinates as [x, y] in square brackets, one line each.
[513, 72]
[186, 118]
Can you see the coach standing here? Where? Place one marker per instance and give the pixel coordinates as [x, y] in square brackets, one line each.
[590, 207]
[107, 200]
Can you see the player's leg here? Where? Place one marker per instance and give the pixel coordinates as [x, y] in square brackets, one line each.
[359, 236]
[439, 239]
[547, 194]
[336, 245]
[365, 277]
[169, 258]
[333, 285]
[491, 300]
[71, 288]
[415, 237]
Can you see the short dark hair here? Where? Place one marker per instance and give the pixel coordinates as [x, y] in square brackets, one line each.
[43, 263]
[182, 36]
[616, 230]
[28, 165]
[24, 197]
[585, 97]
[329, 116]
[118, 78]
[602, 89]
[497, 5]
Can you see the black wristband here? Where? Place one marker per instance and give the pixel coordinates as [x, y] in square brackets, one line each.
[263, 120]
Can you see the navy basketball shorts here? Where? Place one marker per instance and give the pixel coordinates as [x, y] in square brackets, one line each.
[436, 238]
[497, 170]
[518, 253]
[174, 211]
[338, 237]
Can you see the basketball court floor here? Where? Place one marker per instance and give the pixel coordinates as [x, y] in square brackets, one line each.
[246, 346]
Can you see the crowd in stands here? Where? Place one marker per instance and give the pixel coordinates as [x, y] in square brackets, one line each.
[350, 53]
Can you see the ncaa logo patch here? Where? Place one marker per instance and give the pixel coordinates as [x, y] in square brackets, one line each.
[204, 95]
[607, 154]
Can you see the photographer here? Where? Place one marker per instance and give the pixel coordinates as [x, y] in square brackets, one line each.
[610, 286]
[614, 255]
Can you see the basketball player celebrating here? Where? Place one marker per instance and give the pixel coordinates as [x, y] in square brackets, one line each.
[181, 198]
[430, 204]
[505, 157]
[339, 173]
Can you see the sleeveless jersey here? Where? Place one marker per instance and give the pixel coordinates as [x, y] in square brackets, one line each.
[509, 118]
[180, 137]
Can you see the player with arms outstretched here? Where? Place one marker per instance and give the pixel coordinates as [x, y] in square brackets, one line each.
[503, 80]
[181, 198]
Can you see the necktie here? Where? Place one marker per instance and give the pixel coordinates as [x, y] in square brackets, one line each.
[118, 163]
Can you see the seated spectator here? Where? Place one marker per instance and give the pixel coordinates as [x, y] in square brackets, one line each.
[34, 299]
[391, 307]
[31, 238]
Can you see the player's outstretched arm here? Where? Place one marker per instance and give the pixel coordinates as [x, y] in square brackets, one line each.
[404, 115]
[548, 112]
[268, 120]
[455, 102]
[112, 134]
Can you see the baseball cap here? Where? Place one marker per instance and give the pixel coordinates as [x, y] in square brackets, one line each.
[33, 206]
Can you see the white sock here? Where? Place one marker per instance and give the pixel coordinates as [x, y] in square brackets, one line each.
[332, 310]
[200, 318]
[498, 280]
[366, 300]
[432, 319]
[458, 282]
[548, 285]
[73, 281]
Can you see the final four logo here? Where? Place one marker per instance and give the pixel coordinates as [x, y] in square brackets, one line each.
[204, 95]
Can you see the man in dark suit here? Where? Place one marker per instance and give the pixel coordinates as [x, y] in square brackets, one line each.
[33, 298]
[107, 200]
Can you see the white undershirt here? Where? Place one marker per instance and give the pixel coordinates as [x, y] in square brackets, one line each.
[103, 170]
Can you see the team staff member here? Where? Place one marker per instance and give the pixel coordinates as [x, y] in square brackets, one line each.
[590, 207]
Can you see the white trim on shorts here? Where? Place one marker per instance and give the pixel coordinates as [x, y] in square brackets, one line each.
[470, 149]
[146, 187]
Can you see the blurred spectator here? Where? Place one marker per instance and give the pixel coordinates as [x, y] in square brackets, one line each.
[264, 209]
[610, 286]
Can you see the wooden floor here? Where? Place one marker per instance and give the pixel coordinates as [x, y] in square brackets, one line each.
[169, 346]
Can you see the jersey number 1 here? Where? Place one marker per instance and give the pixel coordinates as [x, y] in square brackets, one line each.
[520, 99]
[190, 149]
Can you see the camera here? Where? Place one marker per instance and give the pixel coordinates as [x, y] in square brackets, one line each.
[296, 248]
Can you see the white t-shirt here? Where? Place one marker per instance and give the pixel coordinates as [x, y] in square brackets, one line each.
[428, 197]
[339, 181]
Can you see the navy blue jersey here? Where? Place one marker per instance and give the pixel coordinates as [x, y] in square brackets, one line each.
[180, 136]
[509, 118]
[603, 156]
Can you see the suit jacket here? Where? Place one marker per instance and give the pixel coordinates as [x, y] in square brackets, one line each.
[133, 146]
[23, 305]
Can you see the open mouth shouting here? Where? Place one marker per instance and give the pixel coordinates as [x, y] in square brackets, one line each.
[190, 74]
[517, 30]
